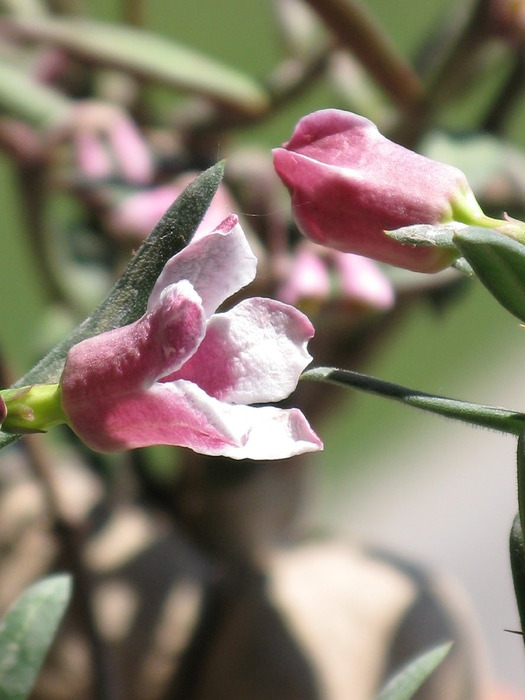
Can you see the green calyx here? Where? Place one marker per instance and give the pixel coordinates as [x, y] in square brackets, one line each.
[32, 409]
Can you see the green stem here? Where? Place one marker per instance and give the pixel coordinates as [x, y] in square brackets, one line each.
[500, 419]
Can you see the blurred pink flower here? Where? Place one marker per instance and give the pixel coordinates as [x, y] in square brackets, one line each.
[307, 277]
[137, 214]
[349, 184]
[106, 142]
[321, 274]
[182, 375]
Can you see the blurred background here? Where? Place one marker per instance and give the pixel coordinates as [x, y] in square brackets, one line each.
[434, 491]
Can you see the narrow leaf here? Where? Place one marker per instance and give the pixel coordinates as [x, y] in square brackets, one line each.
[475, 414]
[26, 632]
[404, 684]
[150, 57]
[517, 545]
[499, 263]
[128, 299]
[517, 562]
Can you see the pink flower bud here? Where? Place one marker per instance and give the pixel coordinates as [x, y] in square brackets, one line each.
[349, 184]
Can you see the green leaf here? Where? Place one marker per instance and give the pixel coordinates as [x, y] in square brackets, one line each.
[499, 263]
[517, 545]
[150, 57]
[128, 299]
[404, 684]
[517, 562]
[23, 97]
[475, 414]
[26, 632]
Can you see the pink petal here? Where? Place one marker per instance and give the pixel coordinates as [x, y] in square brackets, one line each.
[308, 278]
[131, 152]
[184, 415]
[126, 359]
[94, 160]
[217, 265]
[251, 354]
[363, 282]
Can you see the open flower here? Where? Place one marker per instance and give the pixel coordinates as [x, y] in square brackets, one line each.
[349, 184]
[183, 375]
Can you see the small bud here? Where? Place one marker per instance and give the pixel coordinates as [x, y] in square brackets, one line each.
[349, 184]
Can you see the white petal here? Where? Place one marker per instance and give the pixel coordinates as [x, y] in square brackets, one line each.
[251, 354]
[217, 265]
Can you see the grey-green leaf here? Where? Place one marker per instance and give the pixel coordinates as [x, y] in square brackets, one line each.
[26, 632]
[150, 57]
[404, 684]
[440, 236]
[499, 263]
[128, 299]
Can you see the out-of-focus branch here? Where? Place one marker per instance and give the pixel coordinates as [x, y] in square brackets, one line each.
[357, 30]
[508, 96]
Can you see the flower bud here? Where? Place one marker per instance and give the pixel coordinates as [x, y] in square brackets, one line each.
[349, 184]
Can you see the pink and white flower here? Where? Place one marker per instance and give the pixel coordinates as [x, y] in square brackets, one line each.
[185, 375]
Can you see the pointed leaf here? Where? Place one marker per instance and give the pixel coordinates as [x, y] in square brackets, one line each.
[149, 57]
[485, 416]
[128, 299]
[440, 236]
[499, 263]
[517, 562]
[26, 632]
[404, 684]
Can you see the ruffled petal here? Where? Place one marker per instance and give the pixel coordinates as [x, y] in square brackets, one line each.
[183, 414]
[253, 353]
[217, 265]
[132, 357]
